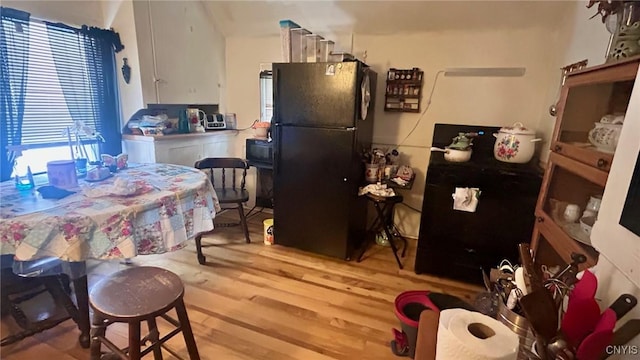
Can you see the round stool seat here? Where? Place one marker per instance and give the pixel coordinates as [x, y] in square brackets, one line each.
[136, 292]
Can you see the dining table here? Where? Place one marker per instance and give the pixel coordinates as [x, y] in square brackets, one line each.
[139, 210]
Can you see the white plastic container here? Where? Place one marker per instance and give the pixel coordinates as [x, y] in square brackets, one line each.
[326, 47]
[313, 48]
[299, 44]
[285, 38]
[230, 121]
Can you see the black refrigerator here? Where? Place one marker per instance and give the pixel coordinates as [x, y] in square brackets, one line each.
[322, 122]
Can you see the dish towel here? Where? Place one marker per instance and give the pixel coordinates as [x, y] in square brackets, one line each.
[376, 189]
[466, 199]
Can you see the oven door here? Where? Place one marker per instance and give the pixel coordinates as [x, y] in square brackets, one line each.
[616, 233]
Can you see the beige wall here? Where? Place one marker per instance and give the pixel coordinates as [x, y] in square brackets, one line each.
[119, 15]
[242, 92]
[68, 12]
[457, 100]
[243, 58]
[486, 101]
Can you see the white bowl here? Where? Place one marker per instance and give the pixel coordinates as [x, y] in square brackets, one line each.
[260, 132]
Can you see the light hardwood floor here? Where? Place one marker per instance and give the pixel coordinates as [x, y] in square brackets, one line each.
[253, 301]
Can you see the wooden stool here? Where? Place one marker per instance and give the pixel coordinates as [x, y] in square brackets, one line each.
[134, 295]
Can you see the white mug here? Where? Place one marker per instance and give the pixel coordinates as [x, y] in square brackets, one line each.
[193, 115]
[572, 213]
[371, 173]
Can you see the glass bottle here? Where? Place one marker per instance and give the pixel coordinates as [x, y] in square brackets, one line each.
[183, 122]
[25, 181]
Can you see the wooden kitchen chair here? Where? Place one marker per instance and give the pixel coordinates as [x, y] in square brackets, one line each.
[228, 176]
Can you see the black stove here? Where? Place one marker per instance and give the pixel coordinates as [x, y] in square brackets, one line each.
[457, 244]
[482, 156]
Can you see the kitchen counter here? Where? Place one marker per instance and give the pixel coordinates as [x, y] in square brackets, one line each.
[178, 136]
[179, 149]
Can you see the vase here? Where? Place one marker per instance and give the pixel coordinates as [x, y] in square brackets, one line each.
[624, 42]
[81, 167]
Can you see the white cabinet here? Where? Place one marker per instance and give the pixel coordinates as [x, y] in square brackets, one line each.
[179, 39]
[170, 33]
[181, 149]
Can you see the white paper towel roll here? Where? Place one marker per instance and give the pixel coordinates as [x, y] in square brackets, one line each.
[468, 335]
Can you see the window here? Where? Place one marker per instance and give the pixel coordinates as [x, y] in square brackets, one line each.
[266, 96]
[46, 114]
[55, 78]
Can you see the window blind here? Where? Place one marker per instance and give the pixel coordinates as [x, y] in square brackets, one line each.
[266, 95]
[48, 104]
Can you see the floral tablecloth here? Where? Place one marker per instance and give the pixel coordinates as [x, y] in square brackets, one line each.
[173, 205]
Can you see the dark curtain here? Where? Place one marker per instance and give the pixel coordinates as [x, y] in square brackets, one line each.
[87, 55]
[14, 60]
[100, 48]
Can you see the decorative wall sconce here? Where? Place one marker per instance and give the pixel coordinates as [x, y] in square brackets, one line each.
[126, 70]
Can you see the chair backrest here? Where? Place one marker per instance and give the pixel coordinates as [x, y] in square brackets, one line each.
[217, 169]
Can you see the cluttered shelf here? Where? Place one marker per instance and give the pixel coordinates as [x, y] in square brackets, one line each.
[401, 85]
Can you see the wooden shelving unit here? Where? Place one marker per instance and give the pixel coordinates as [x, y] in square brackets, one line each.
[404, 90]
[577, 170]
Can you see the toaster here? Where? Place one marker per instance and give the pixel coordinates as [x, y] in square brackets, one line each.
[214, 122]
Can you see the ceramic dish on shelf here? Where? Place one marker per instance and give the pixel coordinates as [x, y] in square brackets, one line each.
[573, 229]
[605, 137]
[577, 233]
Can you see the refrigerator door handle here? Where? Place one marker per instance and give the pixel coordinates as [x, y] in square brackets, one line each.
[276, 98]
[276, 148]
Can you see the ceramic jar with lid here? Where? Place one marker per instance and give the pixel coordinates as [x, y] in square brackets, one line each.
[515, 144]
[605, 136]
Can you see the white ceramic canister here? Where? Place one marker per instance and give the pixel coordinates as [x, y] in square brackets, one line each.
[62, 174]
[605, 136]
[515, 144]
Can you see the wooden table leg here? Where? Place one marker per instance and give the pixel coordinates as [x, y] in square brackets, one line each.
[82, 298]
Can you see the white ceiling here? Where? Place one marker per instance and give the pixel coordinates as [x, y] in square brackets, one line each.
[260, 18]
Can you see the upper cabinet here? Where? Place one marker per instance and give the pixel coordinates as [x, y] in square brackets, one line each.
[591, 111]
[181, 50]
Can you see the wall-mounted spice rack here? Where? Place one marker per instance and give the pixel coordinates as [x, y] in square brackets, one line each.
[404, 90]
